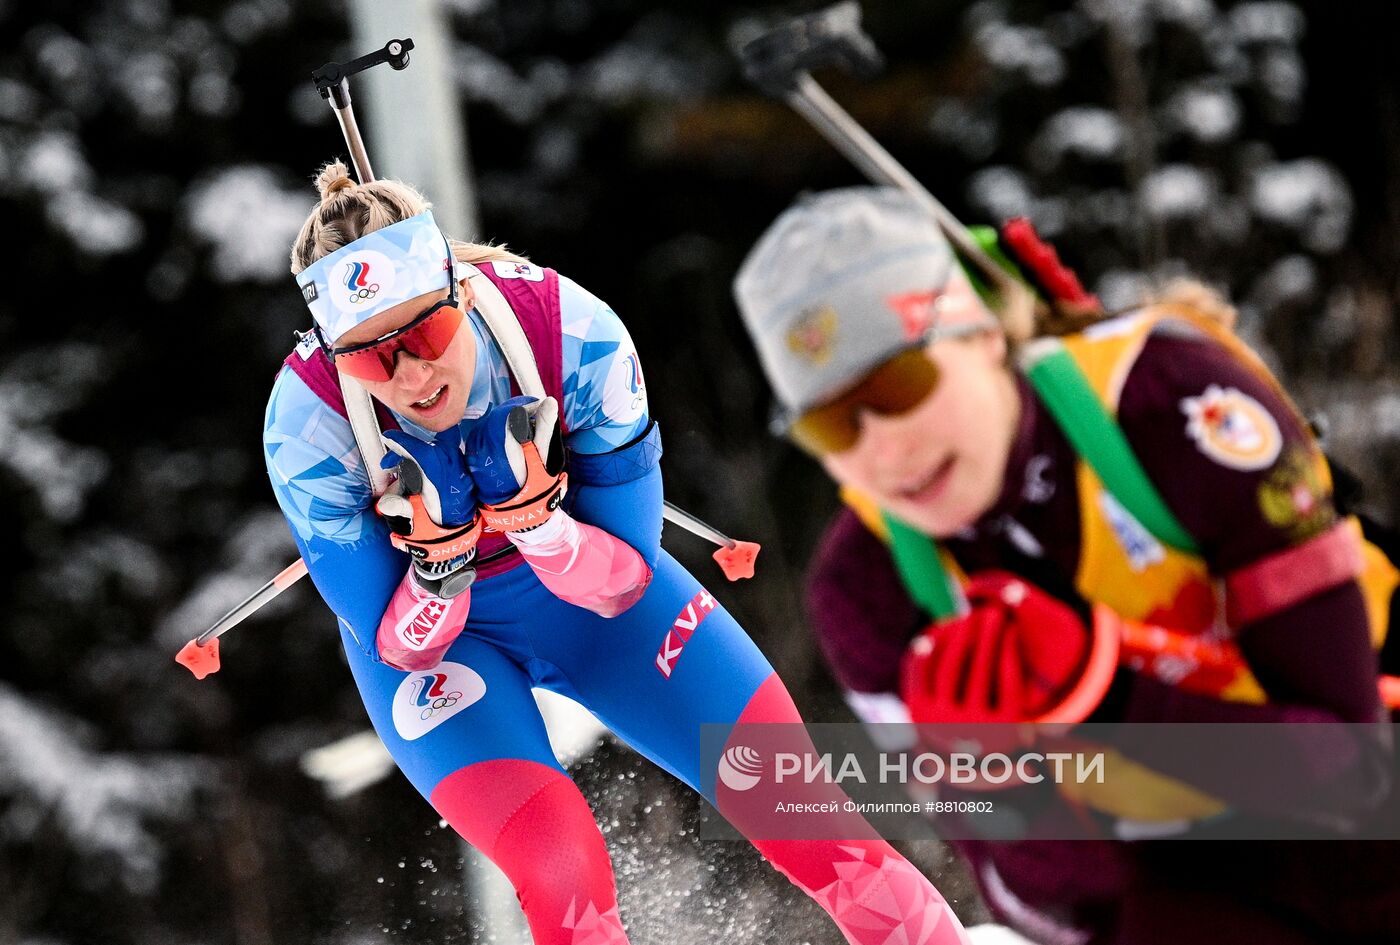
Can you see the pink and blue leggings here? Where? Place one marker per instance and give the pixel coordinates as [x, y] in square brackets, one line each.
[470, 738]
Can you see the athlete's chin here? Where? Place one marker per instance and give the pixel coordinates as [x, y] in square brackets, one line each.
[939, 522]
[438, 424]
[944, 515]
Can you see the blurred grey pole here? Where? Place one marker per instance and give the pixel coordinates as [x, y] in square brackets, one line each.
[416, 129]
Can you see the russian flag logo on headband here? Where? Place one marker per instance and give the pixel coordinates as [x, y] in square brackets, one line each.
[357, 281]
[362, 278]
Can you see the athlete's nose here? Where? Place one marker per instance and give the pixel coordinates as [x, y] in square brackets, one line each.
[886, 446]
[409, 372]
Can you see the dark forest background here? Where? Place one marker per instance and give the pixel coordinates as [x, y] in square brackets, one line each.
[155, 160]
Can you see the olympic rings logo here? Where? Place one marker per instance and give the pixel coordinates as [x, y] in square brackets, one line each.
[362, 295]
[440, 704]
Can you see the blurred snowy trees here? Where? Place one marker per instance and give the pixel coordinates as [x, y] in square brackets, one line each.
[1149, 141]
[1148, 151]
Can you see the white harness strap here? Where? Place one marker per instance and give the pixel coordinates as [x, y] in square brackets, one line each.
[359, 410]
[504, 326]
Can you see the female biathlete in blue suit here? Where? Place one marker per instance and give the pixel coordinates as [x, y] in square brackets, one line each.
[575, 596]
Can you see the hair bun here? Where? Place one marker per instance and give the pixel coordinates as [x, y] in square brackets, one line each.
[333, 178]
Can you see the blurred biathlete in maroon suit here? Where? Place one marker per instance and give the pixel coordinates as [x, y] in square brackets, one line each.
[1142, 528]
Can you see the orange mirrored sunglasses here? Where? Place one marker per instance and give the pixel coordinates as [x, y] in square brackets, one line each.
[895, 386]
[426, 337]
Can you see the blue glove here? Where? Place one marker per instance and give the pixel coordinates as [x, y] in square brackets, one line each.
[494, 455]
[437, 470]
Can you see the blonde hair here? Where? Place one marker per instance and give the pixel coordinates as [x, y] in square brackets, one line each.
[1208, 302]
[348, 211]
[1182, 292]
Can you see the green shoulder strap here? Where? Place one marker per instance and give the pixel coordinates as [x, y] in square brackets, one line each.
[1092, 430]
[1099, 440]
[921, 569]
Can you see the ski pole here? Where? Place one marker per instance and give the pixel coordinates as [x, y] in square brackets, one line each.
[780, 62]
[735, 558]
[1188, 649]
[201, 655]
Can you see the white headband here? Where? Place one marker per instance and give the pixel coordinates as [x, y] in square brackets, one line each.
[377, 271]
